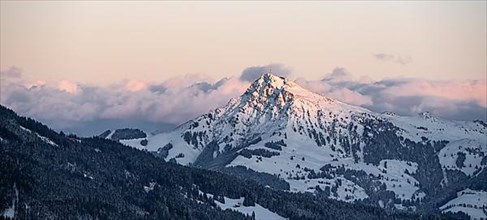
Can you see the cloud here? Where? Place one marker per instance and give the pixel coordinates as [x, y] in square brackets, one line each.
[331, 88]
[135, 86]
[68, 86]
[454, 99]
[157, 88]
[67, 105]
[383, 56]
[11, 72]
[35, 84]
[249, 74]
[404, 59]
[472, 90]
[338, 74]
[73, 106]
[350, 96]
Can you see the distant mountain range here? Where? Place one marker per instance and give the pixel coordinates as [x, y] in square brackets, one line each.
[286, 137]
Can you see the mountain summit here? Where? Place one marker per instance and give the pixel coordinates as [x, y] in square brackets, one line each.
[278, 91]
[287, 137]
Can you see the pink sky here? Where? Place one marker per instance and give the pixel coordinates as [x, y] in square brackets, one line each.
[102, 42]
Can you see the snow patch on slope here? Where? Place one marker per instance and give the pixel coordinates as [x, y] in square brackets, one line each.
[10, 211]
[47, 140]
[135, 143]
[237, 205]
[150, 187]
[474, 151]
[109, 136]
[25, 129]
[415, 127]
[471, 202]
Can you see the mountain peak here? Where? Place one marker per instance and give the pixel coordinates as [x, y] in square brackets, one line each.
[270, 87]
[269, 91]
[271, 80]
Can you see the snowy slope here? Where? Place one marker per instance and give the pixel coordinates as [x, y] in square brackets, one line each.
[471, 202]
[322, 145]
[260, 212]
[474, 151]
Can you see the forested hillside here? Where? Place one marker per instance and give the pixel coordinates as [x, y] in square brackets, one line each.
[46, 175]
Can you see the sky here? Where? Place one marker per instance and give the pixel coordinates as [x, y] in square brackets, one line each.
[70, 62]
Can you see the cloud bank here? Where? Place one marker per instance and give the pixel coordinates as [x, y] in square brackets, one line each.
[65, 105]
[88, 109]
[453, 99]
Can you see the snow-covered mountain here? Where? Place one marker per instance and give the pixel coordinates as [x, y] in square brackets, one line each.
[321, 145]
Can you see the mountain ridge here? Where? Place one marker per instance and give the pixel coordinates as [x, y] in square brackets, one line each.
[323, 146]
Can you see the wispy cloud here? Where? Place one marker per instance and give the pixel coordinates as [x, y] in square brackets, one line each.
[383, 56]
[401, 59]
